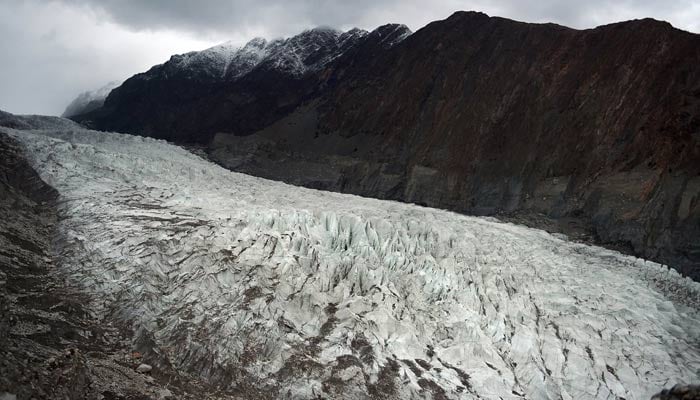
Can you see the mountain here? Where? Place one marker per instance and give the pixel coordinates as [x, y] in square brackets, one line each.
[236, 287]
[228, 88]
[89, 101]
[594, 133]
[309, 51]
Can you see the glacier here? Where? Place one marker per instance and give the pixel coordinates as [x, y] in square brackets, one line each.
[298, 293]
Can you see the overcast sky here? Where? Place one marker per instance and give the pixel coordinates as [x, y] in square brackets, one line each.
[54, 49]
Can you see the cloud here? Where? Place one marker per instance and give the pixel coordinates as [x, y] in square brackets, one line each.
[54, 49]
[52, 52]
[281, 17]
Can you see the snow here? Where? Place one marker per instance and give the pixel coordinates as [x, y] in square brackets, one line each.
[311, 50]
[212, 62]
[404, 33]
[226, 60]
[246, 58]
[228, 272]
[392, 34]
[308, 51]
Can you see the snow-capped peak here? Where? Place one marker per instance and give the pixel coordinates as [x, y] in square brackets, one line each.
[208, 63]
[308, 51]
[246, 58]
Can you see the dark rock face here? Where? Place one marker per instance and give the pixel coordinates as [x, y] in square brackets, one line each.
[598, 128]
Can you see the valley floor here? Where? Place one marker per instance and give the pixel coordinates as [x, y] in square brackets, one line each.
[267, 290]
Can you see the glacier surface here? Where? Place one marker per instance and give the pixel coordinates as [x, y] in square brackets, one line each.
[299, 293]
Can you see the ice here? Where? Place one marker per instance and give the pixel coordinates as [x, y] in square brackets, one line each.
[244, 280]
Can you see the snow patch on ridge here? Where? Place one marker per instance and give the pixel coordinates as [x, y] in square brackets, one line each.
[306, 52]
[90, 100]
[305, 293]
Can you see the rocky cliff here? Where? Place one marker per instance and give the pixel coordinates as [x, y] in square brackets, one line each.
[594, 131]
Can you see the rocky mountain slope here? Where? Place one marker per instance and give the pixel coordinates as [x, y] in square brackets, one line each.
[585, 131]
[225, 88]
[144, 252]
